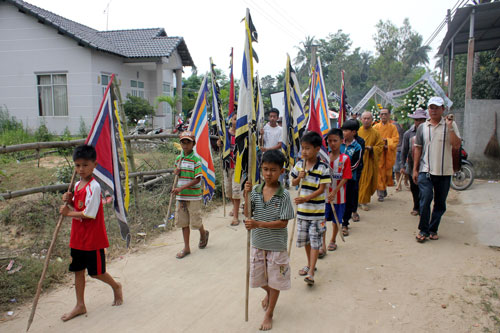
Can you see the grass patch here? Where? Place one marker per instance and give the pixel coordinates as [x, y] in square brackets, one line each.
[27, 223]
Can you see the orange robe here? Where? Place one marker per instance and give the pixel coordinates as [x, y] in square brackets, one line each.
[388, 158]
[369, 175]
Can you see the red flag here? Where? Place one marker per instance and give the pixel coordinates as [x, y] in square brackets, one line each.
[231, 87]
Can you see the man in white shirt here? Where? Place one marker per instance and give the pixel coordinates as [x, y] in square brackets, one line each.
[272, 133]
[433, 166]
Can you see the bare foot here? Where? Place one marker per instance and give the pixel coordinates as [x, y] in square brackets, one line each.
[77, 310]
[118, 295]
[267, 324]
[265, 303]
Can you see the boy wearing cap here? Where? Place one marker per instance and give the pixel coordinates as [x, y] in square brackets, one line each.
[407, 149]
[433, 166]
[188, 194]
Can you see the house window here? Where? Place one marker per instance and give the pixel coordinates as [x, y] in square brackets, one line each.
[104, 82]
[52, 95]
[137, 88]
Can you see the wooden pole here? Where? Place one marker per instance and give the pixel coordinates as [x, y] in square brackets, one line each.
[470, 59]
[223, 185]
[398, 186]
[130, 154]
[337, 221]
[247, 278]
[174, 185]
[47, 258]
[294, 221]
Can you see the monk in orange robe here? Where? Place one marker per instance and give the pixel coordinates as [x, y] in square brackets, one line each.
[373, 150]
[390, 136]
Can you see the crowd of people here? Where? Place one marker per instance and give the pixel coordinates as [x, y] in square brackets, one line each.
[362, 160]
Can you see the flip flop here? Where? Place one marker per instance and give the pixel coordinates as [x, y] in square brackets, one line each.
[332, 246]
[345, 231]
[235, 222]
[414, 213]
[309, 280]
[355, 217]
[305, 270]
[182, 254]
[321, 254]
[421, 238]
[433, 236]
[203, 242]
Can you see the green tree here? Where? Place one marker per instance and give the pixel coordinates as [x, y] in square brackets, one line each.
[137, 108]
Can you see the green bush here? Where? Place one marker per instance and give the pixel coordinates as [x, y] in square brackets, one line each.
[64, 173]
[8, 123]
[42, 134]
[83, 131]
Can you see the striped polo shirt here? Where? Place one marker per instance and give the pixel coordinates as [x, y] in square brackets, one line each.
[340, 169]
[313, 209]
[435, 141]
[279, 207]
[190, 166]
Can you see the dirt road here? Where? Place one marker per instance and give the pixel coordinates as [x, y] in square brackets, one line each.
[379, 280]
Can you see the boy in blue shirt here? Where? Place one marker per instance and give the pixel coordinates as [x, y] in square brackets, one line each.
[353, 149]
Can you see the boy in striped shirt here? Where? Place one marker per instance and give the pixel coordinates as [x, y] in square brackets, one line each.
[188, 194]
[340, 172]
[271, 210]
[314, 175]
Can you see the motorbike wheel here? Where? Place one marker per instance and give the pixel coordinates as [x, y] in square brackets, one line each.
[463, 179]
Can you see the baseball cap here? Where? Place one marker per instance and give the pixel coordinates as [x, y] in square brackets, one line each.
[436, 101]
[186, 135]
[419, 114]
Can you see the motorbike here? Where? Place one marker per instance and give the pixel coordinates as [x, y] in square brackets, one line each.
[463, 178]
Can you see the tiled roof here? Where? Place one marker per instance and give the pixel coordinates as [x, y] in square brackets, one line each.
[134, 43]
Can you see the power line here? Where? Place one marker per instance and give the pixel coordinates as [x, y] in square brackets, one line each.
[295, 24]
[458, 4]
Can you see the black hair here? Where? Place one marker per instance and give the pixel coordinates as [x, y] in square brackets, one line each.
[312, 138]
[274, 157]
[275, 111]
[351, 125]
[335, 131]
[85, 152]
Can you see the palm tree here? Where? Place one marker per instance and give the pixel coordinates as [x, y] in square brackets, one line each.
[170, 100]
[304, 54]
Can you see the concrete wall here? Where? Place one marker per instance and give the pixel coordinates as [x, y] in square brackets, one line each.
[478, 129]
[28, 48]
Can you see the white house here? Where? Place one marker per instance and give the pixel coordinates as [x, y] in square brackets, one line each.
[54, 70]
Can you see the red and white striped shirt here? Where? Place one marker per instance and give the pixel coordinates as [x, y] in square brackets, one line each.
[340, 169]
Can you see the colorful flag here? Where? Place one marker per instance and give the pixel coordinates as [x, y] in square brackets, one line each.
[104, 137]
[293, 119]
[245, 139]
[258, 124]
[218, 120]
[198, 125]
[343, 107]
[319, 119]
[232, 96]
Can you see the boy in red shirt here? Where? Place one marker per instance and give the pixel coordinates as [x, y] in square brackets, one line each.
[340, 172]
[88, 233]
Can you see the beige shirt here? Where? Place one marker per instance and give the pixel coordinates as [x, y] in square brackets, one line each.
[436, 156]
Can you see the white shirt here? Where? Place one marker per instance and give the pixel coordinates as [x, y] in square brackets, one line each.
[272, 135]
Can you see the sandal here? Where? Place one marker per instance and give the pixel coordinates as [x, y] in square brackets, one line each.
[433, 236]
[235, 222]
[182, 254]
[309, 279]
[203, 242]
[332, 246]
[414, 212]
[345, 231]
[421, 238]
[305, 270]
[355, 217]
[321, 254]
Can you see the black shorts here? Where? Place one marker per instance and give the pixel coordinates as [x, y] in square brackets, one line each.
[93, 261]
